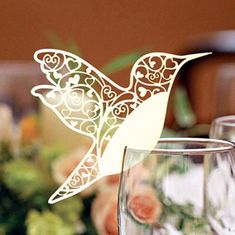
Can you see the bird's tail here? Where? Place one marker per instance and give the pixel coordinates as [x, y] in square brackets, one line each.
[85, 174]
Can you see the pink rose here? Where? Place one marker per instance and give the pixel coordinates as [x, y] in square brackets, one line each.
[138, 174]
[104, 207]
[104, 211]
[144, 205]
[113, 179]
[111, 221]
[64, 166]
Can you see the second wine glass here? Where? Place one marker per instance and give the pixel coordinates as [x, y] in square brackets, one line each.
[223, 128]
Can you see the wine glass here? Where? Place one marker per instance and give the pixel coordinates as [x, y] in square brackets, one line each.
[223, 128]
[162, 191]
[221, 209]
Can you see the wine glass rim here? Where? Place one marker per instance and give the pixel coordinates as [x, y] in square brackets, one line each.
[225, 120]
[223, 146]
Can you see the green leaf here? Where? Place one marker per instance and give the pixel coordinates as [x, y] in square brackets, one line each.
[6, 153]
[164, 168]
[168, 133]
[121, 62]
[2, 229]
[182, 109]
[73, 47]
[57, 43]
[23, 177]
[55, 40]
[51, 153]
[70, 209]
[47, 223]
[197, 226]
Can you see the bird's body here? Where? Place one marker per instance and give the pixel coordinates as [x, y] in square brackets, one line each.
[112, 116]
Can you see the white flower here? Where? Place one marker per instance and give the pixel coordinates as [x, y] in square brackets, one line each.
[6, 123]
[221, 194]
[221, 186]
[167, 230]
[186, 188]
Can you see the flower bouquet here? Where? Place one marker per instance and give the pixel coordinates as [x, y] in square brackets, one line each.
[30, 172]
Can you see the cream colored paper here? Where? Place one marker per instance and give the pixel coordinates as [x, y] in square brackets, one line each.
[91, 104]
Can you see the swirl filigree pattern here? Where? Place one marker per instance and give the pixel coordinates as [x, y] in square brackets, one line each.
[91, 104]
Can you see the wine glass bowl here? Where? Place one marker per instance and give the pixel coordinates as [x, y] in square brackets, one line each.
[220, 189]
[162, 192]
[223, 128]
[220, 193]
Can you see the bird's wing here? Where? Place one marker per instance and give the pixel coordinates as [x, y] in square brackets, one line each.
[81, 96]
[78, 93]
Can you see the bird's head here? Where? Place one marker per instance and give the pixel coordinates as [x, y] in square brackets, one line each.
[160, 68]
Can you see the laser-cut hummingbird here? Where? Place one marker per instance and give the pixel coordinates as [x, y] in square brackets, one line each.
[89, 103]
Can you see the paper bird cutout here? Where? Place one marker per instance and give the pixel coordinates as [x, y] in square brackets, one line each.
[89, 103]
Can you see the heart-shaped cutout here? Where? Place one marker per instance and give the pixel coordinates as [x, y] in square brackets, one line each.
[74, 80]
[158, 89]
[168, 73]
[142, 91]
[139, 75]
[51, 61]
[90, 93]
[66, 112]
[111, 121]
[152, 63]
[155, 62]
[57, 75]
[51, 94]
[170, 63]
[90, 81]
[73, 64]
[133, 106]
[96, 107]
[88, 70]
[91, 114]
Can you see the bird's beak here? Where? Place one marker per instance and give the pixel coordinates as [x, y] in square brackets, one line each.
[195, 56]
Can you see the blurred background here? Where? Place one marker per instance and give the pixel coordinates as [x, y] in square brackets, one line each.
[35, 157]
